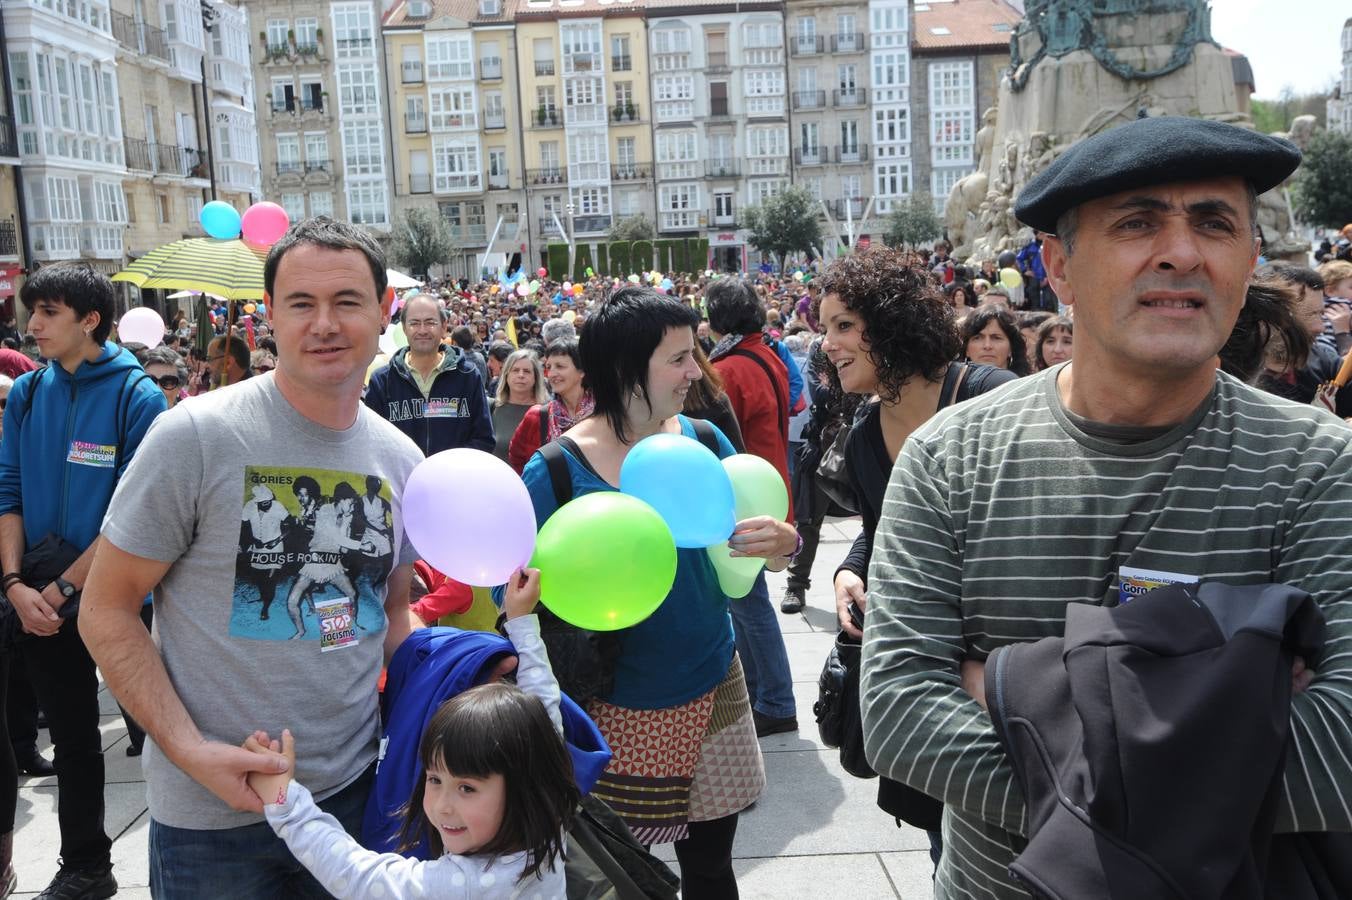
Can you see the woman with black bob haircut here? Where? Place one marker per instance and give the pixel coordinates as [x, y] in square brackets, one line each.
[890, 335]
[677, 670]
[990, 336]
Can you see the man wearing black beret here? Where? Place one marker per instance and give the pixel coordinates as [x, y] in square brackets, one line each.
[1137, 464]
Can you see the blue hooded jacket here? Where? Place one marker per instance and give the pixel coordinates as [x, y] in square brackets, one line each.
[67, 440]
[454, 414]
[431, 666]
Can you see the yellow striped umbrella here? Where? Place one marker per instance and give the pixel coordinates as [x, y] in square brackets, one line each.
[231, 269]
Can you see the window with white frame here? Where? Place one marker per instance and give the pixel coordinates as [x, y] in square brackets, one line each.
[307, 31]
[110, 116]
[455, 164]
[587, 156]
[849, 136]
[450, 56]
[891, 69]
[110, 202]
[89, 100]
[366, 203]
[626, 203]
[807, 80]
[65, 98]
[352, 30]
[549, 155]
[497, 162]
[764, 91]
[677, 154]
[888, 18]
[321, 203]
[809, 141]
[761, 189]
[891, 125]
[358, 90]
[452, 109]
[845, 23]
[892, 179]
[580, 38]
[723, 205]
[765, 34]
[678, 205]
[63, 200]
[942, 181]
[277, 29]
[950, 85]
[674, 97]
[772, 142]
[294, 204]
[813, 185]
[671, 40]
[851, 186]
[362, 148]
[951, 137]
[288, 153]
[625, 153]
[316, 147]
[591, 201]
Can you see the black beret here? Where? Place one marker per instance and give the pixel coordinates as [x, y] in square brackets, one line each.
[1148, 152]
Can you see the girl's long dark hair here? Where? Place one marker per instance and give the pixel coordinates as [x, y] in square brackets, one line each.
[496, 729]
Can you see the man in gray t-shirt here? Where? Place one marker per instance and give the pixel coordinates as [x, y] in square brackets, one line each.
[266, 504]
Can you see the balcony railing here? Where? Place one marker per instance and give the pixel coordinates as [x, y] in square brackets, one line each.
[319, 166]
[284, 104]
[9, 239]
[594, 223]
[624, 63]
[626, 113]
[718, 109]
[469, 235]
[549, 118]
[849, 98]
[304, 50]
[290, 167]
[490, 68]
[498, 182]
[547, 175]
[312, 104]
[848, 42]
[495, 119]
[716, 62]
[183, 161]
[9, 140]
[412, 72]
[804, 45]
[138, 37]
[415, 124]
[723, 168]
[809, 99]
[420, 184]
[547, 225]
[808, 156]
[722, 219]
[850, 153]
[140, 157]
[544, 67]
[855, 205]
[631, 172]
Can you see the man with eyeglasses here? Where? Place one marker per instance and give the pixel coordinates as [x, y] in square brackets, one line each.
[228, 361]
[432, 392]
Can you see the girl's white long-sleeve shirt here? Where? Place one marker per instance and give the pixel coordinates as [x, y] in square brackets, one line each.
[346, 869]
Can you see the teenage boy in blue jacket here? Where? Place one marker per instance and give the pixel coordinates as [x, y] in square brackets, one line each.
[70, 429]
[430, 391]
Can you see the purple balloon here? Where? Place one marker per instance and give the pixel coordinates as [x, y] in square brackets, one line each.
[493, 538]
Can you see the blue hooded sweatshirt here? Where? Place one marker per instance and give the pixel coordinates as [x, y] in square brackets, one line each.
[68, 439]
[454, 414]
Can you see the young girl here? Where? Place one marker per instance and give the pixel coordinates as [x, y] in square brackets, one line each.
[496, 794]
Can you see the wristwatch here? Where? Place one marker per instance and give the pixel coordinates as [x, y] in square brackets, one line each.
[67, 589]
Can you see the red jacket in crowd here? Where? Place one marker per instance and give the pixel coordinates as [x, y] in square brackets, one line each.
[761, 405]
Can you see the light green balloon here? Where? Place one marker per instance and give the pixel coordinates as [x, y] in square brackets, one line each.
[606, 561]
[757, 487]
[397, 332]
[736, 575]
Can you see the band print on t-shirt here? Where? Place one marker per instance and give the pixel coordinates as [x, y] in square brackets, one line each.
[315, 549]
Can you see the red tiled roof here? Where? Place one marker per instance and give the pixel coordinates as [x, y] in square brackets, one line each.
[397, 16]
[963, 24]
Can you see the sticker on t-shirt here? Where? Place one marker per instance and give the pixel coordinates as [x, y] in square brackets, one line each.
[446, 408]
[316, 547]
[1132, 583]
[100, 456]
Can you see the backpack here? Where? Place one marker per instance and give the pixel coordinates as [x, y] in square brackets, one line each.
[120, 412]
[584, 661]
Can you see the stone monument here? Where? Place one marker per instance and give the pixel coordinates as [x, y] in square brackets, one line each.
[1079, 67]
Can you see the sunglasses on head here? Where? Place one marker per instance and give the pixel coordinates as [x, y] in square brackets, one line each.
[168, 382]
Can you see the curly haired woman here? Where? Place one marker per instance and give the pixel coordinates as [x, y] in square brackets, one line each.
[891, 335]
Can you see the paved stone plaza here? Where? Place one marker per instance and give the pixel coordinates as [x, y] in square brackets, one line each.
[816, 830]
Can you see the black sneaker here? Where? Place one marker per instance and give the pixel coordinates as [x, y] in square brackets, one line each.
[768, 725]
[793, 601]
[81, 884]
[33, 763]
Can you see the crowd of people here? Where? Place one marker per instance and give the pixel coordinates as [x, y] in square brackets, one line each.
[1134, 398]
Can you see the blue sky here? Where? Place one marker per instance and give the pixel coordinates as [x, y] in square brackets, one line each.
[1288, 42]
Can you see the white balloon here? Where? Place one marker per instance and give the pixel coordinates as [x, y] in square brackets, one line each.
[141, 325]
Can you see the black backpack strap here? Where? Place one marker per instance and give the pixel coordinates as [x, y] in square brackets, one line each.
[37, 379]
[706, 435]
[559, 475]
[133, 377]
[544, 424]
[780, 399]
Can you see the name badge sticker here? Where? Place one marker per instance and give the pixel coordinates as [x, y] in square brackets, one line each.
[1132, 583]
[85, 453]
[337, 625]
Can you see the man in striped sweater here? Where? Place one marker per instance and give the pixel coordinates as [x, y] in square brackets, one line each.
[1137, 463]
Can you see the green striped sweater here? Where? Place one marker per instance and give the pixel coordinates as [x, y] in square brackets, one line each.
[1000, 511]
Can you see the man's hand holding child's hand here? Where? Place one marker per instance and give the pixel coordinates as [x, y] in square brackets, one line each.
[269, 787]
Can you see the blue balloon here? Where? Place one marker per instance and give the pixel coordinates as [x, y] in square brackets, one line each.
[666, 284]
[686, 484]
[220, 220]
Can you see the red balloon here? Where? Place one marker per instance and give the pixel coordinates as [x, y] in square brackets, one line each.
[542, 271]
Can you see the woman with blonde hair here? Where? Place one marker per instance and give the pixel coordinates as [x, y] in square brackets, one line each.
[521, 386]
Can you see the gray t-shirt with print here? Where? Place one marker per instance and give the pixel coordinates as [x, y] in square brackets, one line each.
[270, 521]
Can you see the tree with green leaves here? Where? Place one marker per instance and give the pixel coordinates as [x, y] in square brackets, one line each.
[785, 224]
[913, 221]
[422, 240]
[1323, 188]
[633, 228]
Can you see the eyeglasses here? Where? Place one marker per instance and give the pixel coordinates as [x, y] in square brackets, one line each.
[216, 358]
[261, 369]
[167, 382]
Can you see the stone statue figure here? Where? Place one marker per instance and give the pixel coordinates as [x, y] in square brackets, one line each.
[985, 138]
[1057, 27]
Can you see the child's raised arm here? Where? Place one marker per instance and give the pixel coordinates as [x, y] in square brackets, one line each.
[533, 674]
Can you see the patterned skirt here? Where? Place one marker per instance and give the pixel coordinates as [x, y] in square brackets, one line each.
[691, 763]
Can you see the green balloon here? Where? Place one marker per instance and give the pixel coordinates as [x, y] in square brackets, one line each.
[736, 575]
[757, 487]
[606, 561]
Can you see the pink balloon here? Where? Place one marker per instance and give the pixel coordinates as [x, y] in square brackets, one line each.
[141, 325]
[503, 537]
[264, 223]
